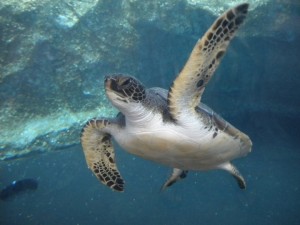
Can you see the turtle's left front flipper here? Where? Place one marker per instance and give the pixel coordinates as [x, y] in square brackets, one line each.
[187, 89]
[99, 153]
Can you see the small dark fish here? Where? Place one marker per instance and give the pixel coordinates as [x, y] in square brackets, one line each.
[18, 186]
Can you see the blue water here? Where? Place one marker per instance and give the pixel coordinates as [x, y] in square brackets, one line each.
[256, 88]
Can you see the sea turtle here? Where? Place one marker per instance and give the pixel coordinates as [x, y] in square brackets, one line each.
[171, 127]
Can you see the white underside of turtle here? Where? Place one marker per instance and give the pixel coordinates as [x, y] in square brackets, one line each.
[171, 127]
[188, 148]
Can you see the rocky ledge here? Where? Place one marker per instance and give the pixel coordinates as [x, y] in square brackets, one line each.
[54, 54]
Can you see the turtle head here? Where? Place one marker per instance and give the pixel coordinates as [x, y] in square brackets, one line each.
[123, 91]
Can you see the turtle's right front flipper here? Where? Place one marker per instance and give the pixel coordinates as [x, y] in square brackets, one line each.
[99, 153]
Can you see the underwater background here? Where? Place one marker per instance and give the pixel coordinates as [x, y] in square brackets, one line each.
[54, 55]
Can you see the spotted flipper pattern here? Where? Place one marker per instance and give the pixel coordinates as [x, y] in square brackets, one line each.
[99, 153]
[187, 89]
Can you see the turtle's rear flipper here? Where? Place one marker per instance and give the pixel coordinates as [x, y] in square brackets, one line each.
[235, 173]
[99, 153]
[176, 175]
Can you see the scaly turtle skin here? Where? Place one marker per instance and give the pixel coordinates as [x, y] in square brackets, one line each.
[172, 127]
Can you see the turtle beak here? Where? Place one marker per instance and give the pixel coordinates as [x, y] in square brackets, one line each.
[112, 90]
[110, 83]
[107, 82]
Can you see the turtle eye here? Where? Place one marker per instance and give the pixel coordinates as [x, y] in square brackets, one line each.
[125, 83]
